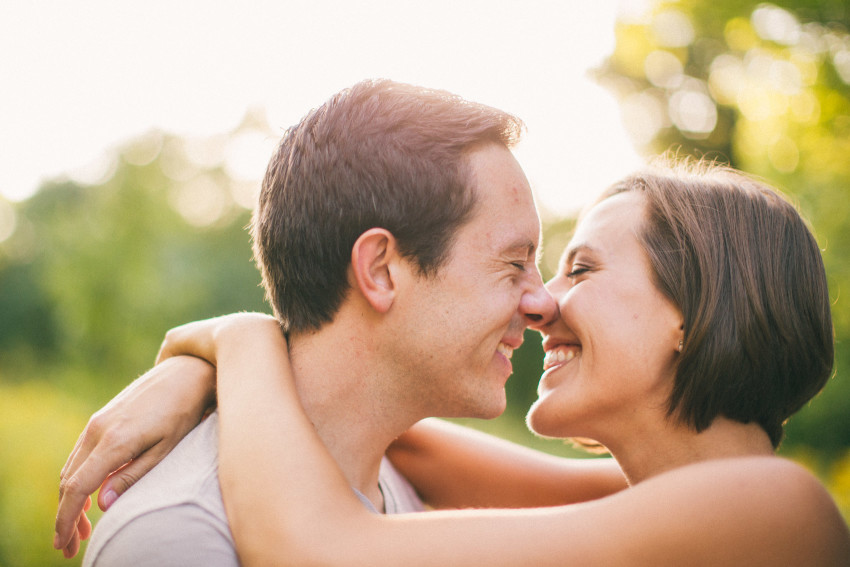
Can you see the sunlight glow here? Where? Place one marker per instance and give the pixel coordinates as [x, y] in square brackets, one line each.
[8, 220]
[203, 76]
[202, 201]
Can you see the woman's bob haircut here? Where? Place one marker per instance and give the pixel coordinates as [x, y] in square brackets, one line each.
[747, 274]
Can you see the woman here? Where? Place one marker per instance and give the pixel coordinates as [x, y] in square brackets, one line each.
[694, 320]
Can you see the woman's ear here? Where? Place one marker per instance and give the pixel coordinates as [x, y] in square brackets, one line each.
[372, 262]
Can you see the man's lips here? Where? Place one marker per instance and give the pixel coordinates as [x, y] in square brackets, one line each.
[508, 345]
[506, 350]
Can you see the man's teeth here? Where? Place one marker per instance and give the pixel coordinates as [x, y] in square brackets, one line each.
[508, 351]
[559, 355]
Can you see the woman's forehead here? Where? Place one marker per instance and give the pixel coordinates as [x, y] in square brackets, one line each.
[618, 215]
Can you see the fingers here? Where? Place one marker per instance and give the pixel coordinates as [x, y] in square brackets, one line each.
[72, 500]
[144, 423]
[119, 481]
[70, 459]
[72, 547]
[81, 478]
[83, 531]
[84, 527]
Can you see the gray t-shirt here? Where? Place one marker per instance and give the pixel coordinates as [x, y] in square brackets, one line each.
[175, 515]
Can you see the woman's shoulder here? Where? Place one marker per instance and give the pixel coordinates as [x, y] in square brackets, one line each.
[766, 506]
[779, 481]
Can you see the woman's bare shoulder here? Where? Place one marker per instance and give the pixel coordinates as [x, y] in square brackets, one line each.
[750, 508]
[783, 481]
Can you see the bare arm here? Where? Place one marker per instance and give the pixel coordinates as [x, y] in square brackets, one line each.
[453, 466]
[127, 438]
[287, 499]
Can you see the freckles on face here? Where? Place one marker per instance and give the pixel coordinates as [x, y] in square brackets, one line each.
[469, 321]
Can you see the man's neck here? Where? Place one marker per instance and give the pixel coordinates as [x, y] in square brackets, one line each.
[345, 394]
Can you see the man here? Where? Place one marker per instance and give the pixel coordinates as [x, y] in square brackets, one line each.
[397, 239]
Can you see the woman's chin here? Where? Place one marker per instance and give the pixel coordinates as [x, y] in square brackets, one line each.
[543, 420]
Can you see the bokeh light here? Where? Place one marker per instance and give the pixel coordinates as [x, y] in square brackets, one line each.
[692, 110]
[202, 201]
[775, 24]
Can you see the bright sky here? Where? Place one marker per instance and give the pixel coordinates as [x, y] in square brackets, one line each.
[81, 77]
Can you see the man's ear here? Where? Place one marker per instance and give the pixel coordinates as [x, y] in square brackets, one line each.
[374, 257]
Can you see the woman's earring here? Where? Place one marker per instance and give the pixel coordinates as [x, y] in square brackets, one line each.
[681, 345]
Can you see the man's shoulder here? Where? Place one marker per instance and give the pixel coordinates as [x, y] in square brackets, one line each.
[178, 535]
[173, 509]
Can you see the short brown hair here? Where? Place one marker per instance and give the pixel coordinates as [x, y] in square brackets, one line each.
[379, 154]
[748, 276]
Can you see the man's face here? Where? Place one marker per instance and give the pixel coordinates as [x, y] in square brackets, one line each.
[464, 323]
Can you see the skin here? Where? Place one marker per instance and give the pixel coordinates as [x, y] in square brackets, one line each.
[722, 500]
[399, 339]
[457, 467]
[715, 497]
[108, 454]
[750, 510]
[451, 336]
[607, 298]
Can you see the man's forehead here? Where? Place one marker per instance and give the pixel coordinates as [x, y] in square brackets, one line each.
[515, 223]
[505, 206]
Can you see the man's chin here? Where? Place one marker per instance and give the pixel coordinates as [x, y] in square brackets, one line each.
[494, 409]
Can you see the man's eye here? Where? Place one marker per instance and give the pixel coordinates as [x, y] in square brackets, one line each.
[519, 266]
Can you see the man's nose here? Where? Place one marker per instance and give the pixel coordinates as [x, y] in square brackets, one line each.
[537, 306]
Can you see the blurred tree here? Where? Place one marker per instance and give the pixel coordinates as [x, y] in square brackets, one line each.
[94, 275]
[90, 279]
[765, 87]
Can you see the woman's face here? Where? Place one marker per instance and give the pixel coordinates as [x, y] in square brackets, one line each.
[610, 354]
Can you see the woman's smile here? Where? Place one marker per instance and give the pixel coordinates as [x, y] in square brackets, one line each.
[559, 355]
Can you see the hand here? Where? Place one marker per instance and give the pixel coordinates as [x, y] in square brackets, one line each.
[127, 438]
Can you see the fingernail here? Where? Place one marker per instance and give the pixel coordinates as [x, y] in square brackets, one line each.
[56, 544]
[108, 498]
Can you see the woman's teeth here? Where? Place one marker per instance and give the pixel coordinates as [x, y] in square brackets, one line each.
[560, 355]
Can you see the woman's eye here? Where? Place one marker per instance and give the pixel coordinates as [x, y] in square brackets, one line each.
[576, 271]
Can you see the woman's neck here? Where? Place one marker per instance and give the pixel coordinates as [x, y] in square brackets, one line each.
[678, 445]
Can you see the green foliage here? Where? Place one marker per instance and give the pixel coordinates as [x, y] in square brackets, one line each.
[90, 281]
[765, 88]
[95, 275]
[38, 425]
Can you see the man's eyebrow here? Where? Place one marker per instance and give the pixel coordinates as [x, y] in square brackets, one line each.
[526, 246]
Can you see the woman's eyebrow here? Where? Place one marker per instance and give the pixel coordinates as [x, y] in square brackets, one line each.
[573, 249]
